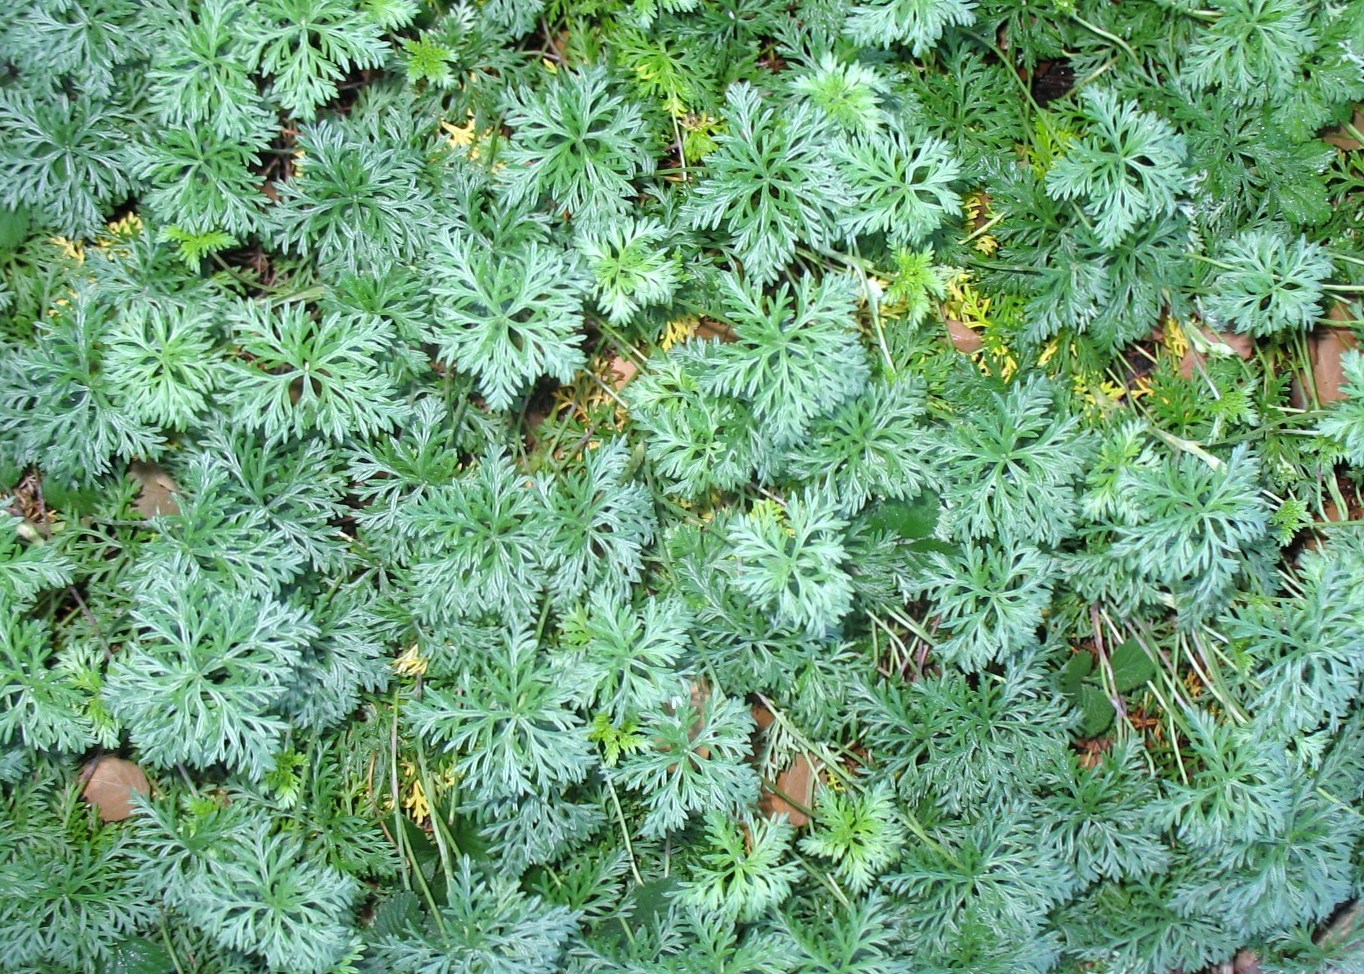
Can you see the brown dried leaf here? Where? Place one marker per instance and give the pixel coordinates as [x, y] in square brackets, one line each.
[1327, 346]
[1242, 345]
[1342, 139]
[964, 337]
[624, 370]
[156, 496]
[797, 782]
[109, 786]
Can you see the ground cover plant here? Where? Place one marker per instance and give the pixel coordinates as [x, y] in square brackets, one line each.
[681, 486]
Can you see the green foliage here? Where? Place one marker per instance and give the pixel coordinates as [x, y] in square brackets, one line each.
[861, 834]
[307, 46]
[202, 681]
[508, 318]
[679, 488]
[790, 563]
[307, 375]
[1265, 285]
[353, 201]
[740, 874]
[1126, 167]
[694, 762]
[1184, 523]
[1014, 462]
[1345, 423]
[631, 266]
[577, 143]
[797, 355]
[63, 158]
[918, 24]
[770, 184]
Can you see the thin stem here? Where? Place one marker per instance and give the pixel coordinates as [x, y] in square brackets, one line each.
[624, 832]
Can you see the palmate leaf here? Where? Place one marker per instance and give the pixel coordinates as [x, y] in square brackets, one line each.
[1344, 423]
[489, 926]
[851, 95]
[306, 374]
[1308, 650]
[26, 569]
[202, 681]
[622, 657]
[791, 563]
[58, 403]
[509, 723]
[991, 869]
[508, 317]
[578, 143]
[861, 833]
[963, 746]
[1252, 50]
[903, 184]
[273, 899]
[874, 445]
[697, 441]
[771, 184]
[695, 762]
[861, 939]
[798, 354]
[597, 524]
[918, 24]
[990, 599]
[353, 201]
[1127, 167]
[481, 545]
[1102, 818]
[1266, 284]
[40, 705]
[200, 70]
[1014, 464]
[1187, 526]
[73, 892]
[741, 874]
[200, 182]
[631, 265]
[164, 361]
[307, 46]
[64, 158]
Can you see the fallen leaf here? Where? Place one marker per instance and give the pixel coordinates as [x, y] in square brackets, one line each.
[109, 786]
[1327, 346]
[1242, 345]
[1342, 139]
[964, 337]
[624, 370]
[156, 496]
[709, 328]
[798, 783]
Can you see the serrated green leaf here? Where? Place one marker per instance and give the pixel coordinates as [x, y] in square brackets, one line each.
[1074, 672]
[138, 955]
[1096, 710]
[1132, 666]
